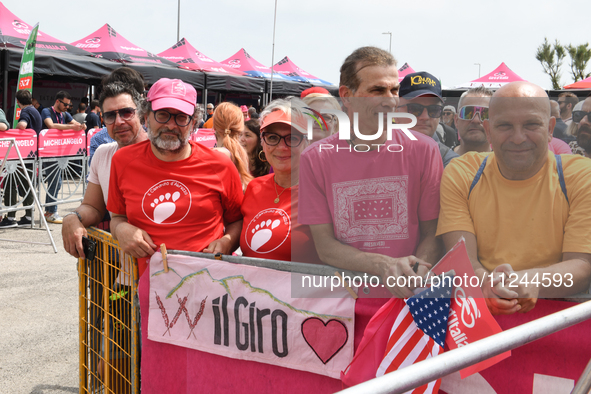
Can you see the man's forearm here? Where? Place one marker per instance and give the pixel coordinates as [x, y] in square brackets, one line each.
[558, 280]
[430, 249]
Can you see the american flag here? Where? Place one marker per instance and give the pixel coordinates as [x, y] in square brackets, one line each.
[418, 333]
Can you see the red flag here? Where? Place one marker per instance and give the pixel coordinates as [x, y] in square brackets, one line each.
[469, 319]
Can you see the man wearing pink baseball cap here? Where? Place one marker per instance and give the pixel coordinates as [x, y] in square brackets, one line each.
[169, 190]
[170, 183]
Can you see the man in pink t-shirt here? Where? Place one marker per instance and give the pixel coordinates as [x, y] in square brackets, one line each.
[372, 203]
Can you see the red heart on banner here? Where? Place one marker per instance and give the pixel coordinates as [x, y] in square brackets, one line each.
[325, 339]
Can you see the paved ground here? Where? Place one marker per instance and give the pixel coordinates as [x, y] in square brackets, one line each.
[38, 313]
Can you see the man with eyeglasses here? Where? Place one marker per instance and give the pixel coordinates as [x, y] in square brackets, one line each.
[472, 111]
[581, 117]
[172, 191]
[57, 117]
[524, 212]
[170, 182]
[420, 95]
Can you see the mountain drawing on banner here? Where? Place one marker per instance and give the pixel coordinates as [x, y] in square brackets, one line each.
[430, 309]
[238, 279]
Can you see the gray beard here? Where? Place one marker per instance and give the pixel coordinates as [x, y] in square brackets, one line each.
[166, 146]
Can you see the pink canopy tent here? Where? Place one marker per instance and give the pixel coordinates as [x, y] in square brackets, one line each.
[186, 56]
[501, 75]
[404, 71]
[14, 33]
[286, 67]
[242, 61]
[108, 44]
[582, 84]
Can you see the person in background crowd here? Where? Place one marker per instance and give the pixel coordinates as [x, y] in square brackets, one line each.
[228, 123]
[56, 117]
[252, 113]
[244, 110]
[582, 129]
[567, 102]
[472, 111]
[560, 128]
[250, 139]
[488, 199]
[447, 118]
[80, 116]
[420, 95]
[210, 109]
[269, 198]
[124, 75]
[93, 118]
[37, 105]
[321, 101]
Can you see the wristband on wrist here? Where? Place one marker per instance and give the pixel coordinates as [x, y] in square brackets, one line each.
[74, 213]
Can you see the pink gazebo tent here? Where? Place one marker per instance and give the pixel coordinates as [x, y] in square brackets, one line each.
[242, 61]
[582, 84]
[404, 71]
[288, 68]
[106, 43]
[14, 33]
[186, 56]
[500, 76]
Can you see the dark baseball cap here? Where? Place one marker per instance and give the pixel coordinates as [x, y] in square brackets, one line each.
[420, 84]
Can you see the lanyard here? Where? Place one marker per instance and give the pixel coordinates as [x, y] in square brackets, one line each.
[58, 116]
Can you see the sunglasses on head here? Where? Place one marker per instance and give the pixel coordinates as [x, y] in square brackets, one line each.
[579, 115]
[434, 111]
[468, 112]
[109, 117]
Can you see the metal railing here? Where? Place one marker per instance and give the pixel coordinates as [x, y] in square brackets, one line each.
[418, 374]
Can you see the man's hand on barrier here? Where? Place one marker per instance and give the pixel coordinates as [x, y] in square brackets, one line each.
[72, 233]
[500, 299]
[399, 276]
[134, 241]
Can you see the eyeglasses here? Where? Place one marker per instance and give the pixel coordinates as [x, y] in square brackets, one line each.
[65, 104]
[181, 119]
[127, 113]
[291, 140]
[579, 115]
[434, 111]
[447, 113]
[468, 112]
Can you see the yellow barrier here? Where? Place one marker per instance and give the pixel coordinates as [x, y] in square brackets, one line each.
[109, 319]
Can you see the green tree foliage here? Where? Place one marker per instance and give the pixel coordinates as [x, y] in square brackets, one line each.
[579, 57]
[551, 56]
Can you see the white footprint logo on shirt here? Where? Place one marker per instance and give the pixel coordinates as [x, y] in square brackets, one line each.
[263, 233]
[164, 209]
[267, 230]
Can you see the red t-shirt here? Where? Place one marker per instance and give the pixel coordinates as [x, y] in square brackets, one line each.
[271, 231]
[182, 203]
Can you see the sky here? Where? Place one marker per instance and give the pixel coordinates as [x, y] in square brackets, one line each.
[445, 38]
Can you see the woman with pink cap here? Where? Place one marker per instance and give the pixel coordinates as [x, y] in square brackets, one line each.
[270, 225]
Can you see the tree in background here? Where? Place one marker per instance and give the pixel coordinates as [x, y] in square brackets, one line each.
[551, 56]
[579, 57]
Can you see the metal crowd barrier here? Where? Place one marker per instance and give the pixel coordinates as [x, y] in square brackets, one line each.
[109, 319]
[56, 162]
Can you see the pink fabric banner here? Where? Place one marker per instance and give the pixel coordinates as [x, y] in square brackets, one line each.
[204, 137]
[186, 56]
[26, 141]
[404, 71]
[89, 135]
[550, 365]
[247, 313]
[53, 143]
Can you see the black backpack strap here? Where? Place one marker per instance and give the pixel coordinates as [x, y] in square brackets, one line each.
[478, 175]
[561, 176]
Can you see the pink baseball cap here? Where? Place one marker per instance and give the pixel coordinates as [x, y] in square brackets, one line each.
[173, 93]
[298, 122]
